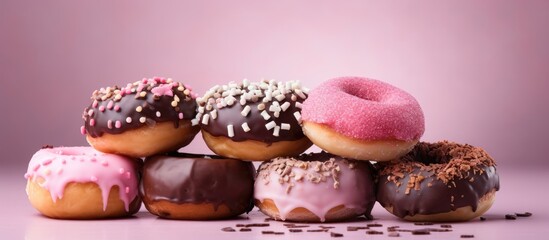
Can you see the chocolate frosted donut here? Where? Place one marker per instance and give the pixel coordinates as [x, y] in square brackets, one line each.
[318, 187]
[441, 181]
[195, 187]
[253, 121]
[157, 110]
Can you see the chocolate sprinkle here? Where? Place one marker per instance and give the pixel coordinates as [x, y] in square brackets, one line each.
[245, 229]
[352, 228]
[526, 214]
[510, 217]
[294, 230]
[446, 226]
[482, 219]
[228, 229]
[317, 230]
[393, 234]
[421, 232]
[467, 236]
[374, 232]
[374, 225]
[333, 234]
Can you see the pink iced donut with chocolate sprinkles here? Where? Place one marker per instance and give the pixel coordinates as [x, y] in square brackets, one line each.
[362, 118]
[82, 183]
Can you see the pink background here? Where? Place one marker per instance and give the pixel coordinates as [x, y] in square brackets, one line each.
[480, 70]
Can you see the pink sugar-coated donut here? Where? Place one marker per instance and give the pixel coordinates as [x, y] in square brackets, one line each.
[364, 110]
[54, 168]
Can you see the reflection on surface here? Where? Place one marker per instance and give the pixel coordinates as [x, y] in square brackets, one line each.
[40, 227]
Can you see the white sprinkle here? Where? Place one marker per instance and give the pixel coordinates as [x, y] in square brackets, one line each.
[230, 130]
[205, 119]
[276, 131]
[142, 119]
[242, 100]
[158, 114]
[298, 105]
[297, 116]
[276, 114]
[214, 114]
[201, 109]
[305, 90]
[300, 93]
[246, 110]
[139, 109]
[265, 115]
[176, 98]
[245, 127]
[129, 120]
[270, 125]
[285, 126]
[280, 97]
[194, 122]
[285, 106]
[261, 107]
[109, 124]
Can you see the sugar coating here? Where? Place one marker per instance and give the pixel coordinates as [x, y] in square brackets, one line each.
[62, 165]
[365, 109]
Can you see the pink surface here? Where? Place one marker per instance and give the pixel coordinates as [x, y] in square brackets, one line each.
[62, 165]
[20, 221]
[365, 109]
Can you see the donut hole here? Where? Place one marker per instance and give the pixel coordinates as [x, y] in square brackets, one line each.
[363, 94]
[429, 156]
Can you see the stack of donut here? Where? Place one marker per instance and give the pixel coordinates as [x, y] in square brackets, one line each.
[136, 130]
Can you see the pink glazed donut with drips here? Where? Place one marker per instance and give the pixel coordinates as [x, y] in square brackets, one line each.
[318, 187]
[82, 183]
[362, 119]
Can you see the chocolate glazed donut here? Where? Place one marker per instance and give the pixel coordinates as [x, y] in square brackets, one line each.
[197, 187]
[254, 121]
[439, 182]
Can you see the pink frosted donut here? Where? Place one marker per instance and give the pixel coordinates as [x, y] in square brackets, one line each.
[315, 187]
[82, 183]
[362, 118]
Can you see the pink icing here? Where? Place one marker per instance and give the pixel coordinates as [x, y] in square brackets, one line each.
[62, 165]
[365, 109]
[163, 89]
[355, 191]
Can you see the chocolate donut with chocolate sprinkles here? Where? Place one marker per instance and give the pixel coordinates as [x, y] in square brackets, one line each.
[197, 187]
[253, 120]
[438, 182]
[144, 118]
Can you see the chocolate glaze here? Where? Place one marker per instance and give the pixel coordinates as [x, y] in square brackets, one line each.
[151, 104]
[232, 115]
[434, 195]
[189, 178]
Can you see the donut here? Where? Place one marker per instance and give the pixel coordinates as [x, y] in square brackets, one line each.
[254, 121]
[197, 187]
[82, 183]
[316, 187]
[439, 182]
[144, 118]
[362, 119]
